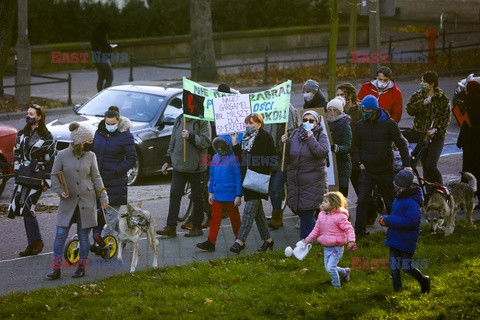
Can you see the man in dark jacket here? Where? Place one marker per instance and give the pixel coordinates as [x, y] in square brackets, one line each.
[374, 135]
[198, 135]
[100, 50]
[313, 96]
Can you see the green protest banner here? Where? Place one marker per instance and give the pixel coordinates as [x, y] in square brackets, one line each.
[272, 104]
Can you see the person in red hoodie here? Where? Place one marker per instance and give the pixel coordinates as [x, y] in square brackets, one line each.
[386, 91]
[333, 230]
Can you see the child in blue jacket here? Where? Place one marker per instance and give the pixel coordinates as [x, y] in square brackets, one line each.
[403, 229]
[225, 190]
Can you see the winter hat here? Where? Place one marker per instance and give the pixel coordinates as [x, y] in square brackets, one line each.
[403, 179]
[79, 133]
[223, 87]
[337, 103]
[311, 86]
[313, 113]
[370, 102]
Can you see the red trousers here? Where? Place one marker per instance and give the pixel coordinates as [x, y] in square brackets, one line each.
[217, 211]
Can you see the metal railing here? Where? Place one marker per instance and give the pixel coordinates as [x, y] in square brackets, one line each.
[53, 80]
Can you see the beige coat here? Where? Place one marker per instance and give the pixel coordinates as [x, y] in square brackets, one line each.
[83, 182]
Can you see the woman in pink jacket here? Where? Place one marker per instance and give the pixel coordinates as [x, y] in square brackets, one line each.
[333, 231]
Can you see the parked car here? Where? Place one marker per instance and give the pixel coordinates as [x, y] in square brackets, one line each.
[151, 106]
[8, 135]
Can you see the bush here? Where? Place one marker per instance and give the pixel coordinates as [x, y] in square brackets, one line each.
[58, 21]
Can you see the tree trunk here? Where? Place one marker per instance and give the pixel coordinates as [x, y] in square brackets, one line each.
[201, 41]
[7, 14]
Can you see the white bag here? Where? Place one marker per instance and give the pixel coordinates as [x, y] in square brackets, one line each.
[257, 182]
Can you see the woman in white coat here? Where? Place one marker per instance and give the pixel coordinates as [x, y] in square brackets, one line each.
[79, 166]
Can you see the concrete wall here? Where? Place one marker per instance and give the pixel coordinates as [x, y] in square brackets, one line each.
[175, 49]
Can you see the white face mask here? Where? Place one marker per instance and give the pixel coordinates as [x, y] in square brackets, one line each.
[111, 128]
[381, 85]
[308, 96]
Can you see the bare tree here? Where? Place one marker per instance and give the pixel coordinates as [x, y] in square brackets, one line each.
[203, 62]
[7, 14]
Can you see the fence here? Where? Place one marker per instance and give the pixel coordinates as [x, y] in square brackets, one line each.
[54, 80]
[266, 61]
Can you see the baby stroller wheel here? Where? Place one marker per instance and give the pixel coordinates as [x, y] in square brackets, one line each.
[72, 251]
[110, 249]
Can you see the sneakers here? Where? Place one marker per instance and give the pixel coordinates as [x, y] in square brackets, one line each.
[195, 232]
[425, 284]
[347, 274]
[167, 232]
[206, 245]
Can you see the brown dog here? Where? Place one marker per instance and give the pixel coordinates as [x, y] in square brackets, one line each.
[443, 206]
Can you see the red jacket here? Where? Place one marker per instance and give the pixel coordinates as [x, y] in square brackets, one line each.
[390, 99]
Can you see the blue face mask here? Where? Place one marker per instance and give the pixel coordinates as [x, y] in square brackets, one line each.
[308, 126]
[111, 128]
[424, 87]
[367, 115]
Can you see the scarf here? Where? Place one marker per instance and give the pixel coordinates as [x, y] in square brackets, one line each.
[248, 140]
[343, 119]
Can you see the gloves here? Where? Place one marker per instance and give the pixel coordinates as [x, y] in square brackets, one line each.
[335, 148]
[382, 222]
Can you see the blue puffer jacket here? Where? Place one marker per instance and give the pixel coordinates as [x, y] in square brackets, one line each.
[225, 174]
[116, 154]
[404, 221]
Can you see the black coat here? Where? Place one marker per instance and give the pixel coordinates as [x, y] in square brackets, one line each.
[262, 149]
[373, 144]
[116, 155]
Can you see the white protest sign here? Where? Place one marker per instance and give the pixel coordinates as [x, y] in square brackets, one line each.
[230, 113]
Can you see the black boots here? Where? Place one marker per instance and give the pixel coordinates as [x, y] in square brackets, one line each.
[55, 274]
[277, 219]
[80, 272]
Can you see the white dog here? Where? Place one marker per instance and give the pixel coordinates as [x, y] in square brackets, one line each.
[132, 225]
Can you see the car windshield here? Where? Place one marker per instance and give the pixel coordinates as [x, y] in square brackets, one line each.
[137, 106]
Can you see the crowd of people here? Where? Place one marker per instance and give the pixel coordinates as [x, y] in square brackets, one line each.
[363, 130]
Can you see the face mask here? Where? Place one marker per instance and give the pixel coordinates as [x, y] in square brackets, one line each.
[222, 152]
[424, 87]
[308, 96]
[111, 128]
[367, 115]
[308, 126]
[381, 85]
[250, 130]
[30, 120]
[331, 118]
[88, 147]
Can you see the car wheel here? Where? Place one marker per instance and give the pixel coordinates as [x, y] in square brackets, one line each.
[134, 174]
[3, 172]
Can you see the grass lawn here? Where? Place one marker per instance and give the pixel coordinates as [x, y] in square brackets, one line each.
[261, 286]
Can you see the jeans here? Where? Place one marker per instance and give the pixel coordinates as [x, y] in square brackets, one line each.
[429, 160]
[331, 257]
[307, 222]
[179, 180]
[105, 75]
[277, 180]
[366, 184]
[397, 263]
[61, 236]
[111, 217]
[32, 229]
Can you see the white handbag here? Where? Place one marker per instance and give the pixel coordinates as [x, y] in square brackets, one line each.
[257, 182]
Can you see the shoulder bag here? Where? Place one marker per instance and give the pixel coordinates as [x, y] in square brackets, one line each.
[257, 182]
[30, 177]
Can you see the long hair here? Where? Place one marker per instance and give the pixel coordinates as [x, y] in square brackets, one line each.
[350, 92]
[337, 200]
[41, 127]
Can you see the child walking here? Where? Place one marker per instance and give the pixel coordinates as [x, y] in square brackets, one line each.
[403, 230]
[225, 191]
[333, 231]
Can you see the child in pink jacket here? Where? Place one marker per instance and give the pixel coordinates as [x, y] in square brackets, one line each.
[333, 231]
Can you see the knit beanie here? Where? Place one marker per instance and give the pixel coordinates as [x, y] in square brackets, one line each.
[337, 103]
[370, 102]
[223, 87]
[403, 179]
[79, 133]
[313, 113]
[311, 86]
